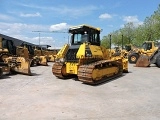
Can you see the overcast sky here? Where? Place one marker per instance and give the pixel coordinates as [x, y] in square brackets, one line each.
[19, 18]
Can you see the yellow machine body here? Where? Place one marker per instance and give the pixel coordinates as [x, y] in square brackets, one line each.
[86, 58]
[148, 48]
[52, 55]
[13, 61]
[119, 54]
[41, 59]
[4, 69]
[19, 65]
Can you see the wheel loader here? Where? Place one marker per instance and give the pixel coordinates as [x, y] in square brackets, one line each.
[10, 59]
[36, 58]
[85, 58]
[148, 48]
[146, 60]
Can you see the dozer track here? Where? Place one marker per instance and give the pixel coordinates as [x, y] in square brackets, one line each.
[107, 69]
[57, 70]
[86, 72]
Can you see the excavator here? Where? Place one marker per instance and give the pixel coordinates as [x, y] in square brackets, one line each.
[85, 58]
[10, 60]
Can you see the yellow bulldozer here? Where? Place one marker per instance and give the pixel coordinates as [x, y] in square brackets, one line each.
[4, 68]
[38, 55]
[49, 53]
[52, 55]
[85, 58]
[34, 55]
[9, 57]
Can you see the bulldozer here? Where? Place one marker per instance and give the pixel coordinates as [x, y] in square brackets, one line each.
[52, 55]
[85, 58]
[49, 53]
[120, 53]
[36, 58]
[9, 59]
[4, 68]
[148, 48]
[42, 59]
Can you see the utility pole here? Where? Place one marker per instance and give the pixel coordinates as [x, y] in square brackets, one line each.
[39, 38]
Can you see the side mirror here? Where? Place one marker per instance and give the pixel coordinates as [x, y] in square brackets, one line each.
[71, 39]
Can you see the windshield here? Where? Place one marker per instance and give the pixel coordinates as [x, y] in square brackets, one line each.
[4, 43]
[128, 47]
[147, 46]
[80, 38]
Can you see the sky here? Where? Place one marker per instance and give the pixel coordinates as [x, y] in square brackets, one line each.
[22, 19]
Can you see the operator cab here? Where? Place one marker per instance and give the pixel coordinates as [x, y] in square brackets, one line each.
[29, 47]
[128, 48]
[147, 46]
[85, 33]
[44, 47]
[9, 45]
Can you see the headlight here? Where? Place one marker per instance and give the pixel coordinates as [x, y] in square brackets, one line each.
[62, 60]
[88, 54]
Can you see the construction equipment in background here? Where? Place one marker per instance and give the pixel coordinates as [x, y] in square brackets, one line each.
[4, 68]
[36, 58]
[85, 58]
[49, 53]
[52, 54]
[145, 60]
[148, 48]
[45, 52]
[120, 53]
[42, 60]
[9, 57]
[130, 47]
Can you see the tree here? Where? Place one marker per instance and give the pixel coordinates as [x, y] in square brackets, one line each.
[105, 42]
[136, 35]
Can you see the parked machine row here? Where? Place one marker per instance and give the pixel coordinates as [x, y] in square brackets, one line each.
[20, 58]
[83, 58]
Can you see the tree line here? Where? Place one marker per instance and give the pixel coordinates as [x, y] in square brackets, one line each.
[136, 35]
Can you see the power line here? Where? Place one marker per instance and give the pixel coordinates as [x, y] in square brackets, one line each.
[39, 31]
[51, 31]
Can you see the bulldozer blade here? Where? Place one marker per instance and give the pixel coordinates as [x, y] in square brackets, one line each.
[23, 66]
[51, 58]
[143, 61]
[43, 61]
